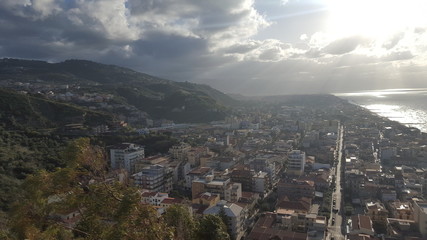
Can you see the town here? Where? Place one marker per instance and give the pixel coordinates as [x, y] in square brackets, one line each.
[288, 172]
[308, 167]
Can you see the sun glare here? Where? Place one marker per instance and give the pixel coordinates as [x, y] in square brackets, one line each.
[375, 18]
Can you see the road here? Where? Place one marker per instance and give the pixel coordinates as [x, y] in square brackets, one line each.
[335, 223]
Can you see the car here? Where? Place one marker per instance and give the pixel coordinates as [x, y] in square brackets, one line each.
[333, 221]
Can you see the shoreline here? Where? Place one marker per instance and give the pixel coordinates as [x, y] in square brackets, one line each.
[384, 118]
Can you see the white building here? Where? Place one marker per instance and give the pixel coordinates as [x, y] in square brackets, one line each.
[153, 198]
[235, 216]
[261, 182]
[296, 162]
[125, 155]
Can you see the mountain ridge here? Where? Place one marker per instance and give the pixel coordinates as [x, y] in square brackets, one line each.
[160, 98]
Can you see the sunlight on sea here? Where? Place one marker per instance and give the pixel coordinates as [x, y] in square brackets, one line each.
[405, 115]
[407, 106]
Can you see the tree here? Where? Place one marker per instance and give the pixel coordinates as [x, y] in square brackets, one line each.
[225, 220]
[106, 210]
[180, 220]
[211, 227]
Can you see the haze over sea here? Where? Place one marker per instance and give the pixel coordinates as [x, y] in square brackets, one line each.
[407, 106]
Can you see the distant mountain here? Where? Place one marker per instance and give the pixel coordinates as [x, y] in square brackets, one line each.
[160, 98]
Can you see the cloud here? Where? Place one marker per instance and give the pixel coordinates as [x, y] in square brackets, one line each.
[396, 56]
[284, 2]
[212, 41]
[344, 45]
[393, 41]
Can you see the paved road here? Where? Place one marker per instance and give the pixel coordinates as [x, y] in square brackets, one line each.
[335, 223]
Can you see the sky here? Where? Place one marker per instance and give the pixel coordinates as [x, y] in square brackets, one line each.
[250, 47]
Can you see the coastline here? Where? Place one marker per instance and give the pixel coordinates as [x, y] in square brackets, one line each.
[405, 106]
[384, 119]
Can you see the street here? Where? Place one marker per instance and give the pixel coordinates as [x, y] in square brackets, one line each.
[335, 223]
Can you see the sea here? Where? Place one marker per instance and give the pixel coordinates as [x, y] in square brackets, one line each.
[407, 106]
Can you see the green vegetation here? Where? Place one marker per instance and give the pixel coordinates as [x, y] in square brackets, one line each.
[20, 111]
[160, 98]
[268, 203]
[105, 210]
[23, 153]
[325, 208]
[153, 143]
[31, 138]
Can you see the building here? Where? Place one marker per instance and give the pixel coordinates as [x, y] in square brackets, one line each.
[270, 164]
[153, 198]
[402, 229]
[244, 175]
[154, 178]
[296, 162]
[361, 224]
[401, 210]
[299, 206]
[234, 214]
[226, 189]
[197, 173]
[377, 212]
[193, 155]
[420, 216]
[261, 183]
[268, 226]
[295, 188]
[167, 202]
[125, 156]
[388, 195]
[180, 151]
[206, 199]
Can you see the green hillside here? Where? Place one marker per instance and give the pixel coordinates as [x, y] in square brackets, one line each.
[160, 98]
[23, 110]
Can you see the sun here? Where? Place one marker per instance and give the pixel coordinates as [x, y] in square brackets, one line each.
[375, 18]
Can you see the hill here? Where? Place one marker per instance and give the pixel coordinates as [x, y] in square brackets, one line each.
[160, 98]
[23, 110]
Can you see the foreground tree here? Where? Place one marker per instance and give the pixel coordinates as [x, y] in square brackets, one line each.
[211, 227]
[106, 211]
[181, 221]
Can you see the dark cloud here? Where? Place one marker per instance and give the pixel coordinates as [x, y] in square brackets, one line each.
[210, 41]
[164, 46]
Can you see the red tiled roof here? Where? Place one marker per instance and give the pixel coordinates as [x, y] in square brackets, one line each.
[171, 200]
[361, 222]
[302, 204]
[148, 194]
[208, 196]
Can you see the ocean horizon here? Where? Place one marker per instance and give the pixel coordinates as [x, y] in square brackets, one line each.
[407, 106]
